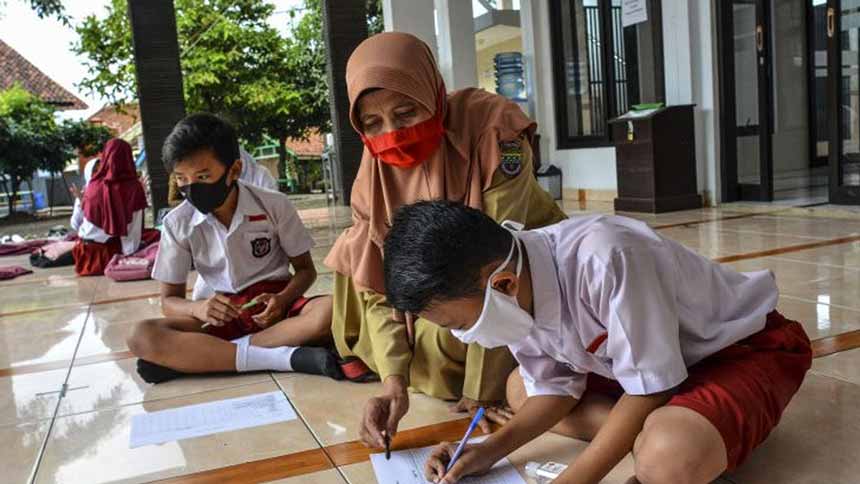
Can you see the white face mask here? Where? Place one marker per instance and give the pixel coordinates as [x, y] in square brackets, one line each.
[502, 321]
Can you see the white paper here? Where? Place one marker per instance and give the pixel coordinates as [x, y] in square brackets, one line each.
[209, 418]
[633, 12]
[407, 467]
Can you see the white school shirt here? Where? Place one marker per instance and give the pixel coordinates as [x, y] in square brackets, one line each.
[130, 243]
[265, 232]
[254, 173]
[77, 216]
[78, 212]
[613, 297]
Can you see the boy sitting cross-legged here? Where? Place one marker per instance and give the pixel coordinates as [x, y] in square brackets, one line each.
[242, 240]
[623, 337]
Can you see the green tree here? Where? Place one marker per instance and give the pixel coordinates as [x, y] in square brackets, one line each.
[29, 137]
[233, 64]
[307, 54]
[85, 138]
[31, 140]
[45, 9]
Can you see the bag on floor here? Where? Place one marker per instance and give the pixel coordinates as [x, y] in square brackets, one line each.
[135, 267]
[55, 254]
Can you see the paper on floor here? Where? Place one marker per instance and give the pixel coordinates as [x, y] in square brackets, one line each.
[209, 418]
[407, 467]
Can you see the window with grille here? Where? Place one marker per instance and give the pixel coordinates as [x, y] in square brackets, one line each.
[600, 67]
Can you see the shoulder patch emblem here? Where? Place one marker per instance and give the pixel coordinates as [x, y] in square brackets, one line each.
[512, 158]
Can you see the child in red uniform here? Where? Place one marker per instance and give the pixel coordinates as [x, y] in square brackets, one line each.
[113, 205]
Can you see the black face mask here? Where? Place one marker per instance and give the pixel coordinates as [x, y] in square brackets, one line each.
[206, 197]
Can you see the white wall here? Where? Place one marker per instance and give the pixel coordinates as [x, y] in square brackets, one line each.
[592, 168]
[690, 60]
[705, 83]
[414, 16]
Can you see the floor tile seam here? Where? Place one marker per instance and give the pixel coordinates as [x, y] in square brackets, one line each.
[155, 400]
[803, 299]
[309, 428]
[821, 373]
[44, 446]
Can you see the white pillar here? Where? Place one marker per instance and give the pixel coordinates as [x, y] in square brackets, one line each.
[531, 41]
[456, 36]
[676, 51]
[412, 16]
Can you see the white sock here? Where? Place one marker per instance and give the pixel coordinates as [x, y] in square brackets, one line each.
[256, 358]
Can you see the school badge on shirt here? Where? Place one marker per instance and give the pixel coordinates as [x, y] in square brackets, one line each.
[512, 158]
[261, 247]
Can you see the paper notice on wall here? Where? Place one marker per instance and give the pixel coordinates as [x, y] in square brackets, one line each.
[633, 12]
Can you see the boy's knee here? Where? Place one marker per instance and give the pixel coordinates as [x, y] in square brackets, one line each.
[321, 320]
[141, 342]
[663, 456]
[516, 390]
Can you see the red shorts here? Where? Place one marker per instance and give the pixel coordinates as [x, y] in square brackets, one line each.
[244, 324]
[744, 388]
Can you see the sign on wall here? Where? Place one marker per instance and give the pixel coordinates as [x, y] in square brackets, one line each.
[633, 12]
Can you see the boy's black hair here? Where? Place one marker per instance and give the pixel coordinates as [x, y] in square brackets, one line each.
[201, 131]
[435, 251]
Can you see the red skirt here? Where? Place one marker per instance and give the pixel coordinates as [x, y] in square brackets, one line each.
[244, 324]
[744, 388]
[91, 258]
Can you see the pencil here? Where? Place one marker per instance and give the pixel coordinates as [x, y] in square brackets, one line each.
[249, 304]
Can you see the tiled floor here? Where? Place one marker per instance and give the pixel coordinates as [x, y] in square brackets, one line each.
[56, 330]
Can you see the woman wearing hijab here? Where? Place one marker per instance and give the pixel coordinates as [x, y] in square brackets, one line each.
[422, 143]
[113, 204]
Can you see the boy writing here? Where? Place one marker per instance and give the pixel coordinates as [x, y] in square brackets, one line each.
[623, 337]
[242, 240]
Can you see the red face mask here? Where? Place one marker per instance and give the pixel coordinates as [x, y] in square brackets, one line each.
[408, 147]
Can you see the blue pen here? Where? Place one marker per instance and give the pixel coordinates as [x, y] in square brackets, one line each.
[478, 416]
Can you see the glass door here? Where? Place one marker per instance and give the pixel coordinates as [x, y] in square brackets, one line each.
[747, 159]
[843, 31]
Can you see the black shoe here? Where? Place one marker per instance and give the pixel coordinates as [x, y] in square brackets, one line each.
[316, 361]
[154, 373]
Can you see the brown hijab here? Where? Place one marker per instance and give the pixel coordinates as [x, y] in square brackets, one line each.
[461, 169]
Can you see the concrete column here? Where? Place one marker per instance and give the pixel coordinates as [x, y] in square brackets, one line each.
[413, 16]
[531, 41]
[344, 28]
[677, 58]
[159, 84]
[457, 53]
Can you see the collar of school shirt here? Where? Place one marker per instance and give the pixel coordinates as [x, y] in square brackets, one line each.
[245, 205]
[546, 291]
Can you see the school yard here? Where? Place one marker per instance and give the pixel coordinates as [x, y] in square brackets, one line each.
[69, 390]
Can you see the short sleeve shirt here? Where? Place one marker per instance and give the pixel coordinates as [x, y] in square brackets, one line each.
[256, 174]
[265, 232]
[615, 298]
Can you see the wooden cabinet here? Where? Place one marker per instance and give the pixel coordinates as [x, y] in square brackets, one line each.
[656, 161]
